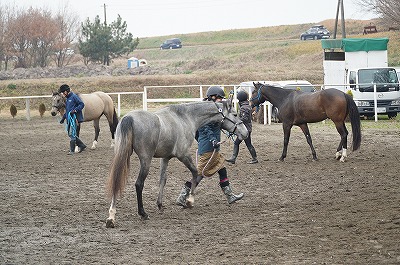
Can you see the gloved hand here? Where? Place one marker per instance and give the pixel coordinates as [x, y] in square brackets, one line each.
[61, 121]
[215, 144]
[73, 111]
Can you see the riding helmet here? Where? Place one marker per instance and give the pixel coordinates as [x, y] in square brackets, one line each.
[242, 96]
[64, 88]
[215, 91]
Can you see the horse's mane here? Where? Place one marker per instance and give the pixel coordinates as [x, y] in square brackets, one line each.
[284, 91]
[184, 107]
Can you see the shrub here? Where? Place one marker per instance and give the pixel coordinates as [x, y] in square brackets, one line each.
[13, 110]
[42, 109]
[11, 86]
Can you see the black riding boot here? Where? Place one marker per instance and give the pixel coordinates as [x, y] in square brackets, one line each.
[253, 153]
[230, 196]
[234, 154]
[72, 147]
[80, 144]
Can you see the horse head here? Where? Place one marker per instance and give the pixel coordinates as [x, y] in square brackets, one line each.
[58, 103]
[256, 97]
[231, 122]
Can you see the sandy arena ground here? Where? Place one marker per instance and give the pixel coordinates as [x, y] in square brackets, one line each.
[299, 211]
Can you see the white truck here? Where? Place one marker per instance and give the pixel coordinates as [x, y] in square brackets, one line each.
[359, 67]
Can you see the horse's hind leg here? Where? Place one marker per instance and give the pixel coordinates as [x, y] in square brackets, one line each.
[110, 223]
[306, 131]
[163, 181]
[144, 171]
[96, 125]
[341, 151]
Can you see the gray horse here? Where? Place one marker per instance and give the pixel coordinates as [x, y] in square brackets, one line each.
[164, 134]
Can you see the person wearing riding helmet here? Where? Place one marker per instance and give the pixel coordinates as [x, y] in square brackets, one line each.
[210, 160]
[245, 117]
[73, 109]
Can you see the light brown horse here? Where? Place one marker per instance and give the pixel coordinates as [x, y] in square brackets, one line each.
[96, 104]
[299, 108]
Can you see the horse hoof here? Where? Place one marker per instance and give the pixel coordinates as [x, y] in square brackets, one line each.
[145, 217]
[110, 223]
[342, 159]
[94, 145]
[190, 201]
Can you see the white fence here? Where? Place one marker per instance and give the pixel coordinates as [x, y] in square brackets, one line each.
[145, 96]
[28, 98]
[200, 91]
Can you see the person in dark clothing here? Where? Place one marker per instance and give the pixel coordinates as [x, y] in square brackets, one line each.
[74, 116]
[210, 160]
[245, 116]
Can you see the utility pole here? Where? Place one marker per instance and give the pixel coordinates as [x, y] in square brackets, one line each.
[341, 7]
[105, 15]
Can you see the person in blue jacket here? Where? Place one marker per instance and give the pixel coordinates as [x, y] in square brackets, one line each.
[210, 160]
[74, 116]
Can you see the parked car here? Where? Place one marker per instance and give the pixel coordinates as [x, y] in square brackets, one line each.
[174, 43]
[316, 32]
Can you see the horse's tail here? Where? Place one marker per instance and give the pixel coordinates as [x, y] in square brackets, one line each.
[354, 116]
[113, 125]
[121, 163]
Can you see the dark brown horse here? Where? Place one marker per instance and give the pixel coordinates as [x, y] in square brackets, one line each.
[299, 108]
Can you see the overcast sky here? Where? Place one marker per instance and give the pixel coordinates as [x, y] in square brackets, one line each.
[148, 18]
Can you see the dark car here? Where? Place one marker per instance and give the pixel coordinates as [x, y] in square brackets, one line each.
[174, 43]
[316, 32]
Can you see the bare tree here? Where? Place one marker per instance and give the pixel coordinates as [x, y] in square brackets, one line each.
[387, 10]
[17, 38]
[68, 27]
[34, 36]
[2, 30]
[43, 32]
[6, 12]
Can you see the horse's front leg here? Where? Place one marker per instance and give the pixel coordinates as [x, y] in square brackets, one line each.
[341, 151]
[144, 171]
[306, 131]
[110, 222]
[78, 129]
[188, 162]
[96, 125]
[286, 136]
[163, 181]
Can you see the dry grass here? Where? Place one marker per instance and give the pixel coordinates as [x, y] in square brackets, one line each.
[223, 57]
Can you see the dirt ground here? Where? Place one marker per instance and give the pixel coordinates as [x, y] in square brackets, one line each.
[299, 211]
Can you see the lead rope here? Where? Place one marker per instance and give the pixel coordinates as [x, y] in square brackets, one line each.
[70, 126]
[209, 160]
